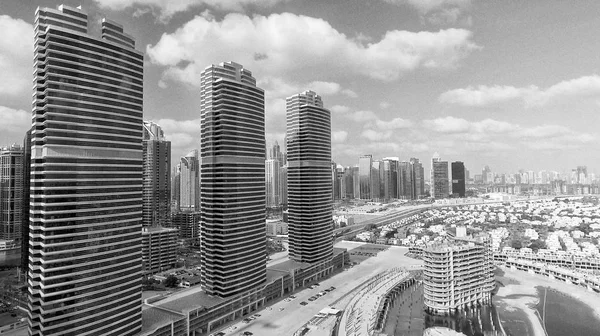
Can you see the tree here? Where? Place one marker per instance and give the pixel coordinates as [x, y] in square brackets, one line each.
[171, 281]
[537, 244]
[516, 244]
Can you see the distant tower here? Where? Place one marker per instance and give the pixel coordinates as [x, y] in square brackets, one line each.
[458, 179]
[417, 178]
[11, 191]
[157, 176]
[232, 148]
[310, 223]
[85, 270]
[365, 169]
[439, 178]
[189, 181]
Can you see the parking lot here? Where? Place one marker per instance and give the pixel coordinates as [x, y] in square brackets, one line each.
[287, 316]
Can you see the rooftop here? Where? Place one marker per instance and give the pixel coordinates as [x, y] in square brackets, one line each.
[190, 299]
[153, 318]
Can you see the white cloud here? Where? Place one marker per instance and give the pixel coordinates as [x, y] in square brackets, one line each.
[429, 5]
[350, 93]
[168, 8]
[341, 109]
[373, 135]
[363, 116]
[177, 126]
[440, 12]
[530, 96]
[396, 123]
[384, 105]
[16, 51]
[483, 95]
[339, 136]
[17, 121]
[448, 125]
[290, 44]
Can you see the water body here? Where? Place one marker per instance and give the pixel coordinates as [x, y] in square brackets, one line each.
[567, 316]
[407, 316]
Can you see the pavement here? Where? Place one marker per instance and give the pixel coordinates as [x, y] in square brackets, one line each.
[284, 318]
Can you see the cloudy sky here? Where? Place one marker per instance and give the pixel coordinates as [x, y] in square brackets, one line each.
[511, 84]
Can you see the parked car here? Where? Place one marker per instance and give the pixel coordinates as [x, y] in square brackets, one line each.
[303, 303]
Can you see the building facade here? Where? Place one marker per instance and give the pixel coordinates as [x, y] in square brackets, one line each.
[157, 176]
[272, 182]
[458, 179]
[365, 168]
[188, 224]
[457, 275]
[11, 190]
[440, 187]
[85, 267]
[189, 182]
[159, 249]
[310, 221]
[233, 235]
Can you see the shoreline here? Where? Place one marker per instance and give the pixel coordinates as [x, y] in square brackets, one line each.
[520, 291]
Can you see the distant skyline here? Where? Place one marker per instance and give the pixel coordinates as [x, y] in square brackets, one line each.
[512, 85]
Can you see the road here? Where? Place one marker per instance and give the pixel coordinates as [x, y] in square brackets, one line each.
[284, 318]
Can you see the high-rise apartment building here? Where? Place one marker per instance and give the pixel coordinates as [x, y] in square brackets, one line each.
[233, 235]
[11, 190]
[440, 187]
[189, 181]
[25, 203]
[365, 169]
[157, 176]
[272, 182]
[85, 267]
[457, 274]
[376, 168]
[389, 178]
[417, 178]
[188, 224]
[405, 184]
[159, 249]
[310, 222]
[458, 179]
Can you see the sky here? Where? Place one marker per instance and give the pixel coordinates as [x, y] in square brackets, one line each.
[509, 84]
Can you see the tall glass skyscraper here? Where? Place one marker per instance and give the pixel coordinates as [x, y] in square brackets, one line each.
[85, 266]
[157, 176]
[365, 168]
[11, 189]
[189, 181]
[309, 178]
[232, 169]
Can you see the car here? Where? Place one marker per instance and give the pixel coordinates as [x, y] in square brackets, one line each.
[248, 333]
[312, 298]
[312, 287]
[317, 284]
[281, 309]
[331, 288]
[246, 320]
[293, 296]
[303, 303]
[220, 333]
[256, 315]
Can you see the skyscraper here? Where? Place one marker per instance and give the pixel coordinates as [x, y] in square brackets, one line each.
[189, 181]
[439, 178]
[417, 178]
[365, 168]
[25, 203]
[458, 179]
[308, 135]
[11, 190]
[85, 267]
[272, 182]
[232, 114]
[157, 176]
